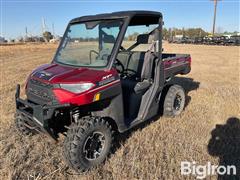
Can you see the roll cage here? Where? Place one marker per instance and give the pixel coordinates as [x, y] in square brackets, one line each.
[129, 18]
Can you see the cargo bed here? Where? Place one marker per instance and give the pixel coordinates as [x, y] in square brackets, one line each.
[176, 64]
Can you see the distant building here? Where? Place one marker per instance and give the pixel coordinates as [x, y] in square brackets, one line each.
[179, 36]
[55, 39]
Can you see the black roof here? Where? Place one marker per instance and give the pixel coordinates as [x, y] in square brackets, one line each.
[120, 14]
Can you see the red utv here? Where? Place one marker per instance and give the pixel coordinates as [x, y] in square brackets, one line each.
[100, 82]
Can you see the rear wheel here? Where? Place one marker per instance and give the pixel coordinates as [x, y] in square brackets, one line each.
[22, 126]
[88, 143]
[174, 101]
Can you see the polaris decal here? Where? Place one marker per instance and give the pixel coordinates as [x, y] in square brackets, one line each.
[107, 79]
[43, 75]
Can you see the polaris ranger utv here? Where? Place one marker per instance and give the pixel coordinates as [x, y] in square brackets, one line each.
[99, 83]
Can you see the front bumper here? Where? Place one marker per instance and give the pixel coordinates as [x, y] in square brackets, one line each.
[36, 115]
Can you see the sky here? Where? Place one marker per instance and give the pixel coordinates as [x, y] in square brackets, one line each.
[16, 15]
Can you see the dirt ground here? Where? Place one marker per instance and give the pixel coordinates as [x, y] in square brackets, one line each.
[152, 151]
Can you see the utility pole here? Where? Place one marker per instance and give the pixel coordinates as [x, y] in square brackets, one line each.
[170, 34]
[43, 25]
[53, 33]
[26, 31]
[183, 32]
[214, 16]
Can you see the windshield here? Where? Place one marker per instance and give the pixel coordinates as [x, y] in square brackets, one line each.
[89, 44]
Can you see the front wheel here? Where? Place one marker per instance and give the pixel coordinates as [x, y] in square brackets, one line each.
[88, 143]
[174, 101]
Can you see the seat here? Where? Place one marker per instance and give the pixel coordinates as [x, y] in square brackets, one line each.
[141, 64]
[134, 88]
[133, 60]
[124, 57]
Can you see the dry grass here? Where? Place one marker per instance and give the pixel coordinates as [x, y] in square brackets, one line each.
[152, 152]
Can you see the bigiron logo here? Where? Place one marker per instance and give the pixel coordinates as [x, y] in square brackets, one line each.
[202, 171]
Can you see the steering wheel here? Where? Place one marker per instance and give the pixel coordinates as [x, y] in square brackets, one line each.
[119, 63]
[103, 55]
[130, 70]
[92, 52]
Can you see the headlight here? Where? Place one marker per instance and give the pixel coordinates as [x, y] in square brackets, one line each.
[77, 88]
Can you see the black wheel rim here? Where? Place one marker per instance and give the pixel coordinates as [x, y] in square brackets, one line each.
[94, 145]
[177, 102]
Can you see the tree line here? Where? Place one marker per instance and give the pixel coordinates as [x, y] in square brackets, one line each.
[171, 32]
[190, 32]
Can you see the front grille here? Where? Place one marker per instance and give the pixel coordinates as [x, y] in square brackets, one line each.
[40, 92]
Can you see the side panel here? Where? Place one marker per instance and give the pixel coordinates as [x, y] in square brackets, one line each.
[112, 96]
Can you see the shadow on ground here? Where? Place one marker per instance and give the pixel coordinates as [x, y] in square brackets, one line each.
[225, 144]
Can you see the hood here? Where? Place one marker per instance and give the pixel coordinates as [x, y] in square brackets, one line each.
[55, 73]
